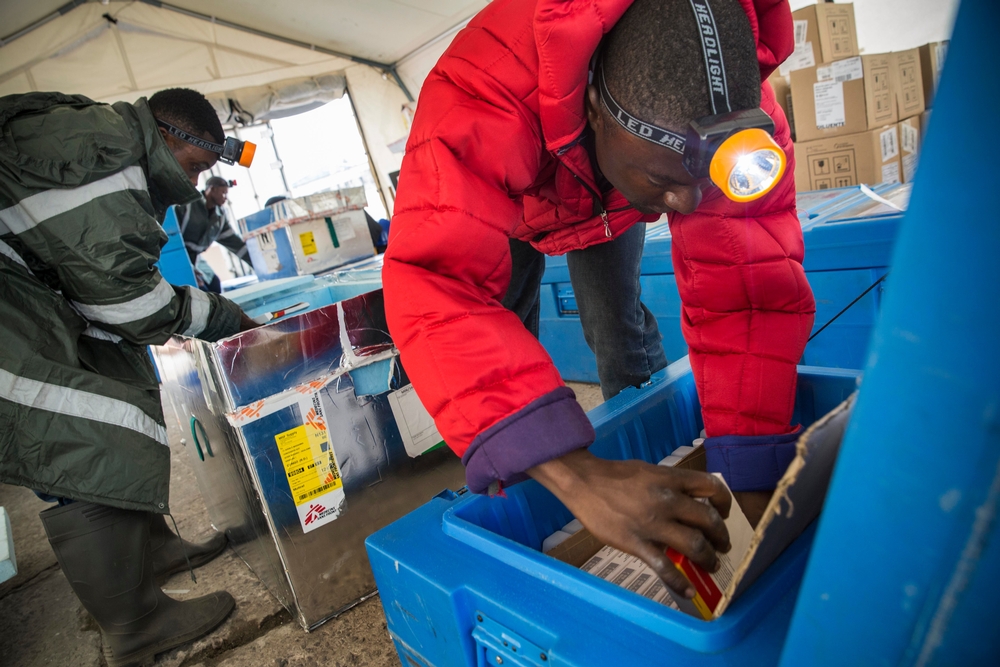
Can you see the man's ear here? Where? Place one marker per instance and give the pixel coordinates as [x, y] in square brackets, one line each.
[170, 140]
[592, 104]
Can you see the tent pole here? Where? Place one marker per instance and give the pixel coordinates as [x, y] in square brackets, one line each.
[368, 152]
[281, 165]
[68, 7]
[399, 82]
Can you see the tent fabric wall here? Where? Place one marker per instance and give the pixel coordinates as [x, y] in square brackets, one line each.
[277, 100]
[378, 105]
[414, 67]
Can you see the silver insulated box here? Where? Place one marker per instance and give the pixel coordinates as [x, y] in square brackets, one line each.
[306, 437]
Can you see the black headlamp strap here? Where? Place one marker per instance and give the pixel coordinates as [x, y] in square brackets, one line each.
[190, 138]
[633, 125]
[711, 46]
[715, 70]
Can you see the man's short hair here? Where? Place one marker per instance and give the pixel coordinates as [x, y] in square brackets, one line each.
[655, 68]
[216, 182]
[189, 110]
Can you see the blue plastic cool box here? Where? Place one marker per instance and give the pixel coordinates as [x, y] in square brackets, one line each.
[464, 583]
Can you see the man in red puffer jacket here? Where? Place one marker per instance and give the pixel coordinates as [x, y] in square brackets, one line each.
[513, 140]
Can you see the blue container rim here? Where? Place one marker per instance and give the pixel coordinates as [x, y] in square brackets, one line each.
[702, 636]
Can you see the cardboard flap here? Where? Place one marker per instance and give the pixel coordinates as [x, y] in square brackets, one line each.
[799, 497]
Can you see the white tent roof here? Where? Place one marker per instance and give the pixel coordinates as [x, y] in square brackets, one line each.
[272, 58]
[378, 30]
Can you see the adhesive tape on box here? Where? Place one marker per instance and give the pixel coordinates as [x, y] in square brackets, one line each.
[554, 540]
[573, 527]
[698, 442]
[683, 451]
[670, 461]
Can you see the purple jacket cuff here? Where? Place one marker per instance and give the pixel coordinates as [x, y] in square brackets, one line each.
[545, 429]
[751, 462]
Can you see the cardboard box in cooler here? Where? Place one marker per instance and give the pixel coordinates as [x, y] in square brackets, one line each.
[796, 502]
[909, 81]
[932, 58]
[867, 157]
[823, 33]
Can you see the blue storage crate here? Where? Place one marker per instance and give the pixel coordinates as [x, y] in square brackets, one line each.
[317, 291]
[848, 240]
[174, 264]
[463, 581]
[282, 260]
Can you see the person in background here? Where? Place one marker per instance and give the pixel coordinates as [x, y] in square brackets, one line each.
[514, 137]
[379, 233]
[83, 189]
[202, 223]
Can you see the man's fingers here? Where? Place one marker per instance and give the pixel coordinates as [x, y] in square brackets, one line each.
[656, 559]
[703, 485]
[690, 542]
[703, 517]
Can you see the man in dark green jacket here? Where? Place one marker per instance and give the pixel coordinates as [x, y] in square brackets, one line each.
[82, 186]
[203, 222]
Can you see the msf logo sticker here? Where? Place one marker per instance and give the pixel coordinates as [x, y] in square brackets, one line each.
[321, 511]
[315, 512]
[318, 512]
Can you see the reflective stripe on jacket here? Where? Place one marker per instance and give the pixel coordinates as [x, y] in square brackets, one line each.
[81, 187]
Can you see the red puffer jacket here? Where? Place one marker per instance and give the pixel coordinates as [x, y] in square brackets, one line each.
[493, 154]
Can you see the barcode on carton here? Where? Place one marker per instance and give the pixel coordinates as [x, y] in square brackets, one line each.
[889, 143]
[801, 27]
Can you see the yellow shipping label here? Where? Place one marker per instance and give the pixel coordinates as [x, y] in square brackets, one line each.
[309, 462]
[308, 242]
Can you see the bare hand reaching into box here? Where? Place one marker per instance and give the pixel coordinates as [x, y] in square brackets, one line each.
[642, 509]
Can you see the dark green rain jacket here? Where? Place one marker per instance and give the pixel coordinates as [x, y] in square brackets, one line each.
[82, 186]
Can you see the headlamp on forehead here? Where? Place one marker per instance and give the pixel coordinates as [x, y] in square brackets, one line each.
[734, 149]
[233, 151]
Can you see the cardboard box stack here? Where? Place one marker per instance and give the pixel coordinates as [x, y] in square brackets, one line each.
[854, 115]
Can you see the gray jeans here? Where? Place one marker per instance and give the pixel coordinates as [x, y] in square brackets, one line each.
[619, 329]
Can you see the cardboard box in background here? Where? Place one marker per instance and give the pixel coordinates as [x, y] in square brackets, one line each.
[827, 31]
[909, 83]
[833, 105]
[880, 89]
[783, 95]
[932, 58]
[910, 141]
[867, 157]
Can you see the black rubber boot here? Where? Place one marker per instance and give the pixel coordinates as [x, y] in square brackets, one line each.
[104, 553]
[168, 549]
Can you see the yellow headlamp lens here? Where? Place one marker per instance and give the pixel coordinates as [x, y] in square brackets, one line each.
[747, 165]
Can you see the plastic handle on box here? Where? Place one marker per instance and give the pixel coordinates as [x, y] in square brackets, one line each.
[197, 442]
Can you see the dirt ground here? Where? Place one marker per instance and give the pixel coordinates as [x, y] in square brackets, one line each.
[43, 624]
